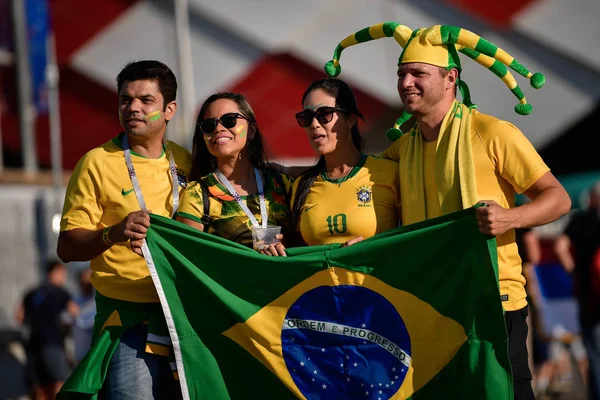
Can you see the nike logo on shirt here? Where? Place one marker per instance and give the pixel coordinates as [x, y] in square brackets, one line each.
[126, 192]
[309, 207]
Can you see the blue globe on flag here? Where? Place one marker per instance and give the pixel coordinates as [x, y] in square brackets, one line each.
[345, 342]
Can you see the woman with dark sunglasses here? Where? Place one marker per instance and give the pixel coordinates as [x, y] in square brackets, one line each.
[228, 162]
[347, 195]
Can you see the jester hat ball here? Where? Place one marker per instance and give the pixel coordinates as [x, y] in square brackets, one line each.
[439, 45]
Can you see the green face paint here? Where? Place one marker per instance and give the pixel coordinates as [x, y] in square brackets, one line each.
[153, 116]
[241, 131]
[312, 106]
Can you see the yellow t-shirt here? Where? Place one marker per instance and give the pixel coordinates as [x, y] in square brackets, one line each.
[432, 205]
[100, 194]
[364, 203]
[505, 163]
[228, 220]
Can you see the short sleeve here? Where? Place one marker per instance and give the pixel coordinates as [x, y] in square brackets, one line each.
[191, 204]
[512, 153]
[392, 152]
[83, 206]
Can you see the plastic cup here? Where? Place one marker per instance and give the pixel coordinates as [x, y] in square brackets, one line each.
[263, 237]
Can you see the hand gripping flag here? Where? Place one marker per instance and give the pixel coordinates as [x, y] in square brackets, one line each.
[413, 313]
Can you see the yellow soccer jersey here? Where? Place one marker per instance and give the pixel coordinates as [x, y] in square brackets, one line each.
[505, 162]
[100, 194]
[364, 203]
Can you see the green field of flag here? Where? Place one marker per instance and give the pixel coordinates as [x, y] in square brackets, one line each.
[411, 313]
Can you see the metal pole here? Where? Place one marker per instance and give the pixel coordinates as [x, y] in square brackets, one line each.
[52, 78]
[187, 106]
[27, 110]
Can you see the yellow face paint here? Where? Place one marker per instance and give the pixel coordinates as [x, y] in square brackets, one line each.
[240, 131]
[153, 116]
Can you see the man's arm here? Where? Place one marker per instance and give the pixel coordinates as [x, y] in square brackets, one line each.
[83, 244]
[549, 201]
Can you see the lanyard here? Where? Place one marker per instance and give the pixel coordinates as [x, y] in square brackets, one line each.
[240, 201]
[136, 184]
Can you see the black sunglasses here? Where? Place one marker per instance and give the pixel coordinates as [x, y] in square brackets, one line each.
[323, 114]
[228, 121]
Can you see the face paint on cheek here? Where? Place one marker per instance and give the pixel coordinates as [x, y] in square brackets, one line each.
[153, 116]
[241, 131]
[312, 106]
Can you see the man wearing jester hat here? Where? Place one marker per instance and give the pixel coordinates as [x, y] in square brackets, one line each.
[456, 157]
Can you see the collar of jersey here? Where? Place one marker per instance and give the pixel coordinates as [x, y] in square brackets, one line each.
[353, 171]
[117, 142]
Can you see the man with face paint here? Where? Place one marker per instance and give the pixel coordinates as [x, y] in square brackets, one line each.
[111, 191]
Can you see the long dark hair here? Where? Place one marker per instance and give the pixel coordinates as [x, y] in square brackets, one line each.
[344, 98]
[203, 162]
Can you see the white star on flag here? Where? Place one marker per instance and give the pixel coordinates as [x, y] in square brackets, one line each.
[387, 386]
[347, 379]
[393, 369]
[392, 382]
[395, 376]
[364, 325]
[322, 349]
[367, 393]
[315, 372]
[380, 384]
[324, 386]
[381, 392]
[355, 364]
[302, 363]
[342, 364]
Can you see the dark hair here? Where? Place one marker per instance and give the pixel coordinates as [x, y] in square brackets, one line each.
[52, 265]
[153, 71]
[344, 98]
[203, 162]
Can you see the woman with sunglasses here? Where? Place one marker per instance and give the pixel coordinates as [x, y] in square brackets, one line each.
[347, 195]
[228, 161]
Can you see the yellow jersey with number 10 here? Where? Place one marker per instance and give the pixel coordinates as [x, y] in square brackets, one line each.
[363, 203]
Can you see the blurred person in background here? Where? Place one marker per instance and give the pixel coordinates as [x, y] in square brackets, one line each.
[42, 312]
[84, 323]
[583, 234]
[110, 193]
[232, 186]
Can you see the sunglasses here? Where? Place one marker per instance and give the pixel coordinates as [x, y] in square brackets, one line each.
[323, 114]
[228, 121]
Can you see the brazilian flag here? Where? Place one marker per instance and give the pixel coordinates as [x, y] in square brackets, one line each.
[413, 313]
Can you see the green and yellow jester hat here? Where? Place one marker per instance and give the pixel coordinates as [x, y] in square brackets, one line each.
[439, 45]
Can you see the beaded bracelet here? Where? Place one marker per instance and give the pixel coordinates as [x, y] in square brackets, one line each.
[105, 237]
